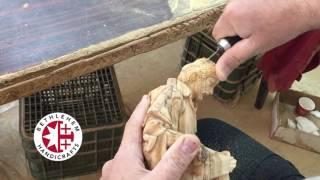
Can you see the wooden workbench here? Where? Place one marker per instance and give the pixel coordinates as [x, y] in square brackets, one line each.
[46, 42]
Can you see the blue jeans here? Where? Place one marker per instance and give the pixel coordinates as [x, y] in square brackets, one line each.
[254, 161]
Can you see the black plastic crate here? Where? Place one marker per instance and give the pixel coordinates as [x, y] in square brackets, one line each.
[202, 45]
[224, 93]
[94, 100]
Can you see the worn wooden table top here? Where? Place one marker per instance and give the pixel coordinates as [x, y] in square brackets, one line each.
[45, 42]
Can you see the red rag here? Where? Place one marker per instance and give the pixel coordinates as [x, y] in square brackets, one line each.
[283, 65]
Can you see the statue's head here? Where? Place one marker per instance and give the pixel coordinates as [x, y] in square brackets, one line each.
[200, 76]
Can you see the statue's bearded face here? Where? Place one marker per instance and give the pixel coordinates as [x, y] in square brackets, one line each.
[204, 87]
[200, 76]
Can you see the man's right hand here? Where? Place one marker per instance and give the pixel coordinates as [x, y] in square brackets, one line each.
[263, 25]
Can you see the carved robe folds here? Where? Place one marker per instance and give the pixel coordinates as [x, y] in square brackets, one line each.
[172, 113]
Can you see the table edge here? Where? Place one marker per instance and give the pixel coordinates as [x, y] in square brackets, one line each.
[30, 80]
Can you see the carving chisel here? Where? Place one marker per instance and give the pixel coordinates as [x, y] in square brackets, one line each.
[225, 44]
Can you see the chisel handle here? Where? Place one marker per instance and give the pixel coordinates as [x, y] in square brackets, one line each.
[233, 39]
[227, 42]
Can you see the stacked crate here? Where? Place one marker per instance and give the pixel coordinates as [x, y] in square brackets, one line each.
[94, 100]
[239, 81]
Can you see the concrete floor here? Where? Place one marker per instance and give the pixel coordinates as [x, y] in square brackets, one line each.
[139, 75]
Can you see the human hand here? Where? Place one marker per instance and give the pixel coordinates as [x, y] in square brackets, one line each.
[262, 25]
[128, 162]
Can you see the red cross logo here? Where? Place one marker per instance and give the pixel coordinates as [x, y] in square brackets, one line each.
[57, 136]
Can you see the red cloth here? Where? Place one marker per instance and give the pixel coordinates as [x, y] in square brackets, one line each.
[286, 63]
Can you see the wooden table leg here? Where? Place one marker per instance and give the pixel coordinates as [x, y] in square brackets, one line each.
[262, 94]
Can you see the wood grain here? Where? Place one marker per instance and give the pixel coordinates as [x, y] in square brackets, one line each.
[22, 76]
[34, 32]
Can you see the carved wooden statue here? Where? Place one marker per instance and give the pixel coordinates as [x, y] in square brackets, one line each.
[172, 113]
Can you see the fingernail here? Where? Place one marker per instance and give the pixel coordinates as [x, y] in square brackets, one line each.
[189, 145]
[225, 72]
[144, 98]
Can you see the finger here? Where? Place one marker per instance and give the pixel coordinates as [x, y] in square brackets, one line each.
[139, 112]
[177, 158]
[222, 29]
[106, 169]
[132, 136]
[233, 57]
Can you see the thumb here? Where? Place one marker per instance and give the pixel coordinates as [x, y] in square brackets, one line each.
[177, 158]
[233, 57]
